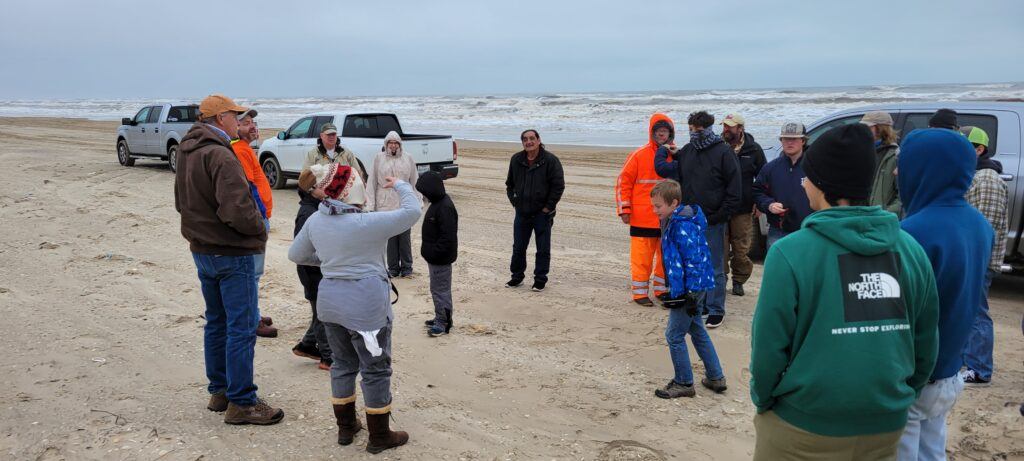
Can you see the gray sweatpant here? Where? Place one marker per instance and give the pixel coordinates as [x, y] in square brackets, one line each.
[441, 291]
[351, 358]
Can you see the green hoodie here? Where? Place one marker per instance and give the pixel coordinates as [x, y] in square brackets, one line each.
[844, 336]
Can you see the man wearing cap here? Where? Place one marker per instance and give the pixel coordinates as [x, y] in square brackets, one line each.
[935, 171]
[843, 335]
[741, 225]
[328, 150]
[260, 189]
[884, 192]
[945, 119]
[633, 205]
[778, 189]
[225, 230]
[988, 193]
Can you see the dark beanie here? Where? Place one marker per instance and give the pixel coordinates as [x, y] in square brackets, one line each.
[944, 118]
[841, 162]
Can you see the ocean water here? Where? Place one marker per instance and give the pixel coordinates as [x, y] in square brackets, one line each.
[600, 119]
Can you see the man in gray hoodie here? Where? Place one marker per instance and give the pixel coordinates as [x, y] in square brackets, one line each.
[353, 300]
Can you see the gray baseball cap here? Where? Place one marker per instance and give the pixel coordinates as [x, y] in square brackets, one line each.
[793, 130]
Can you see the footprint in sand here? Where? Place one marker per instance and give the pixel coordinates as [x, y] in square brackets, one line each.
[622, 450]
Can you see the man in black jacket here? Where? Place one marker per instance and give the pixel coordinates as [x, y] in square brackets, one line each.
[741, 225]
[440, 248]
[707, 169]
[534, 185]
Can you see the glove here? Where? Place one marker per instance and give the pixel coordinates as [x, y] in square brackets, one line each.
[689, 301]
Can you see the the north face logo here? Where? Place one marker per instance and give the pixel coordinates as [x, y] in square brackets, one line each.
[875, 286]
[871, 287]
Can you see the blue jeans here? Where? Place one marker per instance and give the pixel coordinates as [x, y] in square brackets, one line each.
[229, 340]
[714, 300]
[978, 350]
[538, 224]
[774, 234]
[925, 434]
[679, 324]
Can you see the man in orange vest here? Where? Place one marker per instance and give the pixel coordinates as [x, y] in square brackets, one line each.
[247, 133]
[633, 203]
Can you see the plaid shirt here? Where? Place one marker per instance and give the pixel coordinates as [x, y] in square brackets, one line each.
[988, 194]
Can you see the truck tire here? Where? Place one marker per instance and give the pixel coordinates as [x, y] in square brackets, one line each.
[172, 157]
[272, 170]
[124, 156]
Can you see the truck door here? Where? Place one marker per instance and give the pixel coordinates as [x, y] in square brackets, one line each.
[297, 141]
[151, 132]
[134, 132]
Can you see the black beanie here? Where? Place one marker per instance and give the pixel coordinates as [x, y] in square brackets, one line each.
[944, 118]
[841, 162]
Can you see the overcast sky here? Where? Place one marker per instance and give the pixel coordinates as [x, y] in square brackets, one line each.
[188, 48]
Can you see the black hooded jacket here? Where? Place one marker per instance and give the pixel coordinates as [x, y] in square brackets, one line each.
[440, 223]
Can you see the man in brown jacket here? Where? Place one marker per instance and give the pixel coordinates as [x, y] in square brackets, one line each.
[225, 231]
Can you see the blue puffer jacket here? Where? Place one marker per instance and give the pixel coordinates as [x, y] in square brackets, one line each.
[685, 253]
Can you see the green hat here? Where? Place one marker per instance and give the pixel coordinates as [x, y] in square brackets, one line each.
[975, 135]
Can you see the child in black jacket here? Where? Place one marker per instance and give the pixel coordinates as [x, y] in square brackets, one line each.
[439, 248]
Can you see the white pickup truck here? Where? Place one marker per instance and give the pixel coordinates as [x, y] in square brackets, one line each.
[362, 133]
[154, 132]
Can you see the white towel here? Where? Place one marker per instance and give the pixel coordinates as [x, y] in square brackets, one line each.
[370, 341]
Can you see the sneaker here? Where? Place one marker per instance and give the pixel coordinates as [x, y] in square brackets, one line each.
[260, 413]
[972, 378]
[325, 364]
[714, 321]
[538, 286]
[513, 283]
[218, 402]
[307, 351]
[674, 390]
[437, 330]
[717, 385]
[646, 302]
[737, 289]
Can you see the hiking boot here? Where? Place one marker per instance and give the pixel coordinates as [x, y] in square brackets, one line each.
[325, 364]
[737, 289]
[513, 283]
[348, 423]
[264, 329]
[260, 413]
[218, 402]
[307, 351]
[714, 321]
[717, 385]
[646, 302]
[674, 390]
[972, 378]
[538, 286]
[381, 435]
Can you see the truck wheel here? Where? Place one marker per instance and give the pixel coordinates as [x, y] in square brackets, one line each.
[124, 156]
[272, 170]
[172, 157]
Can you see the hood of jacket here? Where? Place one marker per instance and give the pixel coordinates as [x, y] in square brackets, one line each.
[691, 214]
[431, 185]
[198, 138]
[864, 230]
[748, 144]
[659, 120]
[935, 168]
[986, 162]
[329, 206]
[393, 136]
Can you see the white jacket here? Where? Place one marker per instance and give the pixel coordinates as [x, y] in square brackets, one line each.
[400, 165]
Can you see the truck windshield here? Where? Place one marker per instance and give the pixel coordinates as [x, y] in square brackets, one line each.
[183, 114]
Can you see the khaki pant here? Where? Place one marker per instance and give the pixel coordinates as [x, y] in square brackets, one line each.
[778, 440]
[741, 235]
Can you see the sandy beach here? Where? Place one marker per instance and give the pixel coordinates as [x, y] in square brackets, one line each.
[103, 336]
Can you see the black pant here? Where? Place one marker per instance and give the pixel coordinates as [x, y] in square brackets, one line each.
[400, 253]
[310, 277]
[525, 224]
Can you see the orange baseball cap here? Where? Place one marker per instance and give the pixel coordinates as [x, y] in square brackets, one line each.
[216, 104]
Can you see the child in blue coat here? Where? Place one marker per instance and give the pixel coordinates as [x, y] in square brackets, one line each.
[689, 273]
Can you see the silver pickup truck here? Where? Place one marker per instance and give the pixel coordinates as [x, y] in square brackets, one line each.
[154, 132]
[1004, 123]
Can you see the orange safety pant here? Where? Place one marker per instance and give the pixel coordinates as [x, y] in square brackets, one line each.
[644, 255]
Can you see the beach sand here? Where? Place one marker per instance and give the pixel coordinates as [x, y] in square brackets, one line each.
[102, 333]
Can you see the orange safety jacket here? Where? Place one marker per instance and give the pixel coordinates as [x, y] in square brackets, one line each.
[637, 178]
[253, 172]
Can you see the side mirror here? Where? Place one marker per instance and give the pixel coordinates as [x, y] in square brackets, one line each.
[282, 135]
[126, 121]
